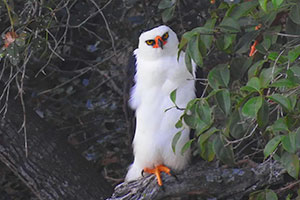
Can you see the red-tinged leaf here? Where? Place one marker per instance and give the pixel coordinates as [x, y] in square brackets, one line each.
[10, 37]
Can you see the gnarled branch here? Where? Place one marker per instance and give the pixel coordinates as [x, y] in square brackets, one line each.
[204, 178]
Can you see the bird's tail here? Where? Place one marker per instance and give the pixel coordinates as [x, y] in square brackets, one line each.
[134, 172]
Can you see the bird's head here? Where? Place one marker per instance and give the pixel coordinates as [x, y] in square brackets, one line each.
[159, 41]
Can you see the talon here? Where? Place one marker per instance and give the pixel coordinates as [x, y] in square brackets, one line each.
[173, 174]
[142, 173]
[157, 170]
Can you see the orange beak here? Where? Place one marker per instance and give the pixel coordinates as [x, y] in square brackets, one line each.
[159, 42]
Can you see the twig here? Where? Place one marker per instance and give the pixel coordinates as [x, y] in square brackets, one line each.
[288, 187]
[66, 82]
[106, 24]
[63, 38]
[21, 94]
[113, 84]
[273, 69]
[285, 35]
[9, 15]
[243, 138]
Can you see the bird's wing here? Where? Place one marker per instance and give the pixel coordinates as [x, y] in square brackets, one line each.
[128, 84]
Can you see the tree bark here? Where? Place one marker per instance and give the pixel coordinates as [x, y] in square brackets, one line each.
[53, 169]
[205, 179]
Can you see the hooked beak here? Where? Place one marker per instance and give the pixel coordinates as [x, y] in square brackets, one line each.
[159, 42]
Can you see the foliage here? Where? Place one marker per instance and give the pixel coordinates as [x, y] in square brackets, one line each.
[251, 107]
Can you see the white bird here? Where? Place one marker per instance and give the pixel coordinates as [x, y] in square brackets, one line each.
[158, 73]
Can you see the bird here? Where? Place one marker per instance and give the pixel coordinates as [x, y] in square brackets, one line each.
[159, 71]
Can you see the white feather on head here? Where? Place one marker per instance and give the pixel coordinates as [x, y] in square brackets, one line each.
[148, 52]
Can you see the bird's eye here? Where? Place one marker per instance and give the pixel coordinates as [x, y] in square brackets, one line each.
[165, 36]
[150, 42]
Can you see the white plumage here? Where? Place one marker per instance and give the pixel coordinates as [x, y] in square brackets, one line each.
[158, 73]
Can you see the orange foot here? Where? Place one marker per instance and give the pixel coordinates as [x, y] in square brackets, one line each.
[157, 170]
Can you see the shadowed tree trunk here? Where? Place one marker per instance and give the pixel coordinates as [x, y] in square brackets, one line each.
[53, 169]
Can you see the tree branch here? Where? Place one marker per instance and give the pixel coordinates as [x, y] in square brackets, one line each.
[206, 179]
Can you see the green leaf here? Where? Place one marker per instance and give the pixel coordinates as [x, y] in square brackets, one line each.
[188, 62]
[266, 76]
[289, 142]
[228, 40]
[163, 4]
[294, 54]
[296, 70]
[263, 115]
[298, 139]
[179, 123]
[243, 9]
[258, 195]
[293, 100]
[283, 101]
[204, 116]
[263, 4]
[198, 115]
[253, 85]
[283, 83]
[255, 68]
[238, 67]
[219, 76]
[236, 128]
[252, 106]
[223, 100]
[274, 56]
[184, 40]
[295, 13]
[223, 153]
[271, 195]
[261, 49]
[173, 96]
[291, 163]
[205, 146]
[190, 120]
[207, 152]
[207, 37]
[205, 136]
[203, 110]
[191, 104]
[229, 24]
[13, 54]
[277, 3]
[175, 140]
[267, 42]
[280, 125]
[186, 146]
[168, 14]
[194, 50]
[272, 145]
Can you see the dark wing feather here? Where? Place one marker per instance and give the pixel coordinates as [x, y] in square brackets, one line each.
[128, 83]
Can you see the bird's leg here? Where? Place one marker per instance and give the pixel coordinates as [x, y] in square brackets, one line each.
[157, 170]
